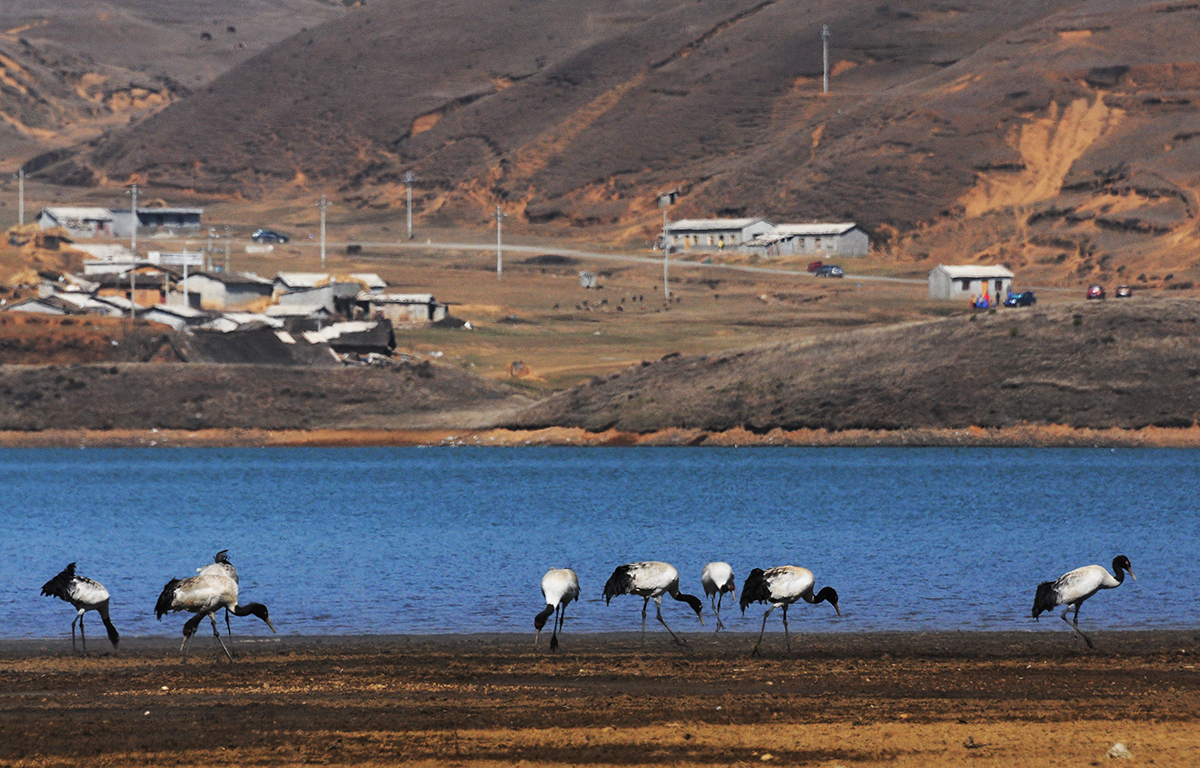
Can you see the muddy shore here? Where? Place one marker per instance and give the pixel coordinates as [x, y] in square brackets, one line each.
[1034, 436]
[908, 699]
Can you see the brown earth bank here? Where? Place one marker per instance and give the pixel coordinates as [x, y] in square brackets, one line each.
[1032, 436]
[905, 699]
[1126, 365]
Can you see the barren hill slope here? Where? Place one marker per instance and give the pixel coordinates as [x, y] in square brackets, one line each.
[1057, 135]
[1126, 364]
[70, 70]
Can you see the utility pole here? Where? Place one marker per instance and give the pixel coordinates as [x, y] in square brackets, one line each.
[228, 239]
[323, 205]
[132, 247]
[499, 257]
[209, 251]
[663, 202]
[825, 41]
[21, 196]
[409, 178]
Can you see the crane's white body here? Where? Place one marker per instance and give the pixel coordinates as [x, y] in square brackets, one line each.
[717, 579]
[650, 580]
[560, 587]
[789, 583]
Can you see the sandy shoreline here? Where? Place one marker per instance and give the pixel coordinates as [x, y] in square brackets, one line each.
[1032, 436]
[907, 699]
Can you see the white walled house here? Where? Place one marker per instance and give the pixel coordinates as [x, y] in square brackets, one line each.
[78, 222]
[963, 282]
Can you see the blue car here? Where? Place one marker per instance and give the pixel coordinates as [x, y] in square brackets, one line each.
[1022, 299]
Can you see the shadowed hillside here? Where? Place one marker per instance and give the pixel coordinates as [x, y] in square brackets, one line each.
[1126, 364]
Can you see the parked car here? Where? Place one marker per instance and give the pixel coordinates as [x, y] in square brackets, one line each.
[1095, 291]
[1022, 299]
[813, 266]
[1123, 292]
[829, 270]
[268, 236]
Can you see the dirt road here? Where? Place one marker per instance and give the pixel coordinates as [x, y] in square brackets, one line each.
[850, 700]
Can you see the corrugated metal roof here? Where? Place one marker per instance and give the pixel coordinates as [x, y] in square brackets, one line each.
[296, 310]
[303, 279]
[971, 271]
[815, 230]
[711, 224]
[369, 279]
[80, 213]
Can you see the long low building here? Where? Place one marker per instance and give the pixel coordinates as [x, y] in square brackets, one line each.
[766, 239]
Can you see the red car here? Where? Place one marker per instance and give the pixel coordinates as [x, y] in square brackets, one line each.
[1095, 291]
[815, 265]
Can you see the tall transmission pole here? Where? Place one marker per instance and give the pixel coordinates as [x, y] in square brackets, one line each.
[825, 42]
[322, 205]
[132, 246]
[409, 178]
[664, 201]
[21, 196]
[499, 250]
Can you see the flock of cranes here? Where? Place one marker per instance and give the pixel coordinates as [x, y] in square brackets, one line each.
[215, 587]
[780, 587]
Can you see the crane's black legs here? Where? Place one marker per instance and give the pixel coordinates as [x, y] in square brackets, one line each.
[716, 606]
[217, 635]
[658, 611]
[79, 618]
[1075, 625]
[787, 636]
[761, 631]
[560, 613]
[645, 603]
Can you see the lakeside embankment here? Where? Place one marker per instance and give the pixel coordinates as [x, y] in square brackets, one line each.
[1030, 436]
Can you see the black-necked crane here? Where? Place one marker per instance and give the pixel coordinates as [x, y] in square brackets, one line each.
[717, 579]
[204, 594]
[559, 587]
[782, 586]
[1073, 587]
[650, 580]
[84, 595]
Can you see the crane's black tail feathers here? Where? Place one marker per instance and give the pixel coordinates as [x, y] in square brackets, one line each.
[163, 606]
[1045, 599]
[755, 590]
[60, 584]
[620, 583]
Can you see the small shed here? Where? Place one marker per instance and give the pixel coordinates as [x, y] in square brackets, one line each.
[177, 316]
[229, 290]
[403, 308]
[79, 222]
[151, 220]
[963, 282]
[714, 234]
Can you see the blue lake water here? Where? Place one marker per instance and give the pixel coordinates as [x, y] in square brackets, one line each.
[429, 540]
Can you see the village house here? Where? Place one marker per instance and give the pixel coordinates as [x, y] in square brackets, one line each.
[151, 285]
[964, 282]
[78, 222]
[821, 240]
[714, 234]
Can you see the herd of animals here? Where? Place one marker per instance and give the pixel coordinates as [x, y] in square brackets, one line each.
[215, 586]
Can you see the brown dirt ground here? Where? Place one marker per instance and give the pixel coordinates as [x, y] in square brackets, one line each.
[1006, 699]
